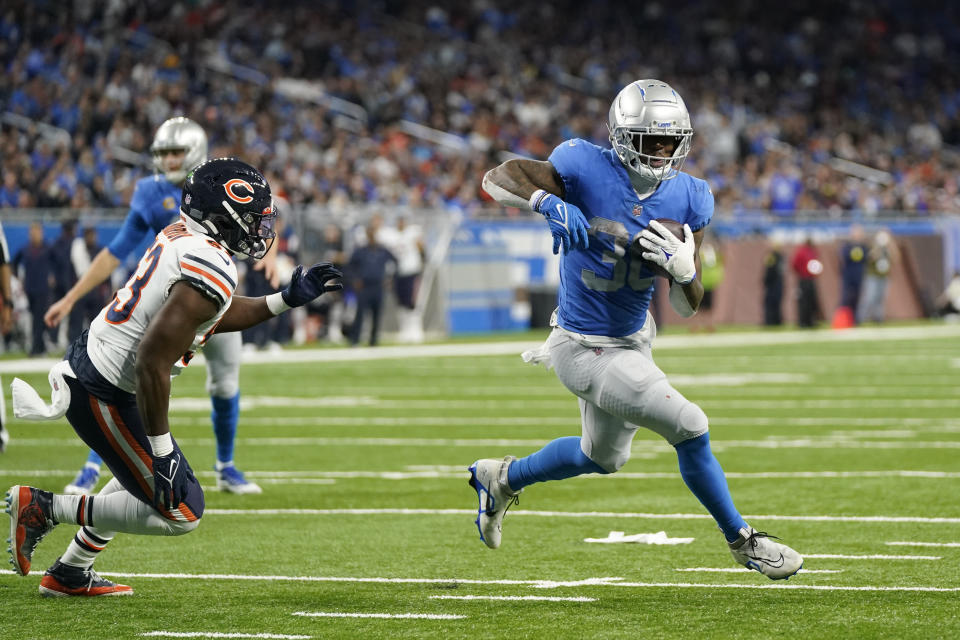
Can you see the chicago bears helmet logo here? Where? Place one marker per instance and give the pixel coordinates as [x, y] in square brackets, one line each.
[230, 187]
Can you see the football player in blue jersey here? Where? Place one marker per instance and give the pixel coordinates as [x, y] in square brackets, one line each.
[179, 145]
[602, 207]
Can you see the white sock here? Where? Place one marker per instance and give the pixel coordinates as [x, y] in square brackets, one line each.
[85, 547]
[223, 465]
[124, 512]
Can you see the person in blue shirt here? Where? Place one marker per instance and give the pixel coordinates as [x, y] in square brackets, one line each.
[179, 145]
[602, 207]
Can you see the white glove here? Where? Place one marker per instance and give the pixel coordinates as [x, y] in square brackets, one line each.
[668, 251]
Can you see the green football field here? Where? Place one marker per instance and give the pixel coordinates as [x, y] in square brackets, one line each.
[845, 445]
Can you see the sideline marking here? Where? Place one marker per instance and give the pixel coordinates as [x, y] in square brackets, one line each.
[539, 584]
[923, 544]
[519, 598]
[345, 614]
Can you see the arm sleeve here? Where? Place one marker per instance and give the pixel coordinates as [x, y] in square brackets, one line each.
[211, 273]
[567, 158]
[701, 205]
[135, 227]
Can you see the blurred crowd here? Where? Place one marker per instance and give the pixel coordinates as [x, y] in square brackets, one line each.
[814, 106]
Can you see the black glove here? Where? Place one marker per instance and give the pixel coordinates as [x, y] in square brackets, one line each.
[308, 286]
[172, 477]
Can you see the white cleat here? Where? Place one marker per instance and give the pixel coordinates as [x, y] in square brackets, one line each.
[489, 478]
[756, 550]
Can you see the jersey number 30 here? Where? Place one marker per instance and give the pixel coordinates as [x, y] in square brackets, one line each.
[622, 274]
[127, 298]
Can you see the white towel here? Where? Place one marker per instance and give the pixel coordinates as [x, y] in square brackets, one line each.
[27, 403]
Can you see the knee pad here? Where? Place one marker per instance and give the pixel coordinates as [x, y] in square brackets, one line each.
[610, 456]
[223, 386]
[691, 422]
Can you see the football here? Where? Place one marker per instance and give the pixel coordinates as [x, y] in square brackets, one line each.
[674, 227]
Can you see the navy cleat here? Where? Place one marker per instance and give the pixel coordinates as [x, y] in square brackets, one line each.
[63, 580]
[756, 550]
[232, 480]
[31, 518]
[489, 479]
[85, 481]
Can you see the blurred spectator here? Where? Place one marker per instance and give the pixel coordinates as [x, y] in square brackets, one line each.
[711, 275]
[853, 261]
[367, 274]
[405, 242]
[64, 275]
[775, 106]
[6, 292]
[330, 307]
[948, 302]
[881, 259]
[35, 264]
[807, 267]
[774, 268]
[82, 252]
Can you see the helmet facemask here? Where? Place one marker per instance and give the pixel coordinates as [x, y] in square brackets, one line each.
[250, 234]
[636, 148]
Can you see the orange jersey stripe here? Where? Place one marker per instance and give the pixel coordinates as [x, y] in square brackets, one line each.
[206, 274]
[125, 432]
[118, 449]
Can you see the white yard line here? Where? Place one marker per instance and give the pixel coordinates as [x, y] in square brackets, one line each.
[575, 514]
[518, 598]
[542, 584]
[220, 634]
[459, 473]
[345, 614]
[751, 339]
[922, 544]
[868, 557]
[745, 570]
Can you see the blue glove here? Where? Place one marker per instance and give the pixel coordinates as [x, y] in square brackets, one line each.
[308, 286]
[567, 223]
[172, 477]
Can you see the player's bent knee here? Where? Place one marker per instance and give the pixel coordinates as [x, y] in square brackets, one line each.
[691, 422]
[223, 388]
[610, 460]
[179, 527]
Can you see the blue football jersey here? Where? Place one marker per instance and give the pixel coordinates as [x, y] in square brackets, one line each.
[604, 290]
[155, 204]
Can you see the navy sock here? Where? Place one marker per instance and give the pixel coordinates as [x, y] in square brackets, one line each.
[703, 475]
[559, 459]
[226, 411]
[94, 458]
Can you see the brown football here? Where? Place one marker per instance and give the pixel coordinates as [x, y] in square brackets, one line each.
[674, 227]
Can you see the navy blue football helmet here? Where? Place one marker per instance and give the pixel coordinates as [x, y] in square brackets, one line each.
[232, 201]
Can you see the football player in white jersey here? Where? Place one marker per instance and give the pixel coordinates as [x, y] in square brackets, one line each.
[603, 205]
[114, 384]
[179, 145]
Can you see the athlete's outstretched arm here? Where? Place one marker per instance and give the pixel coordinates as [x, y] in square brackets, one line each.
[513, 182]
[304, 286]
[100, 269]
[170, 335]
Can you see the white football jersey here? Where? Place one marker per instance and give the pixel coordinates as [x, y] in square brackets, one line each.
[181, 252]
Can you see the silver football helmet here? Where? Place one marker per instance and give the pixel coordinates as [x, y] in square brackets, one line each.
[642, 114]
[179, 133]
